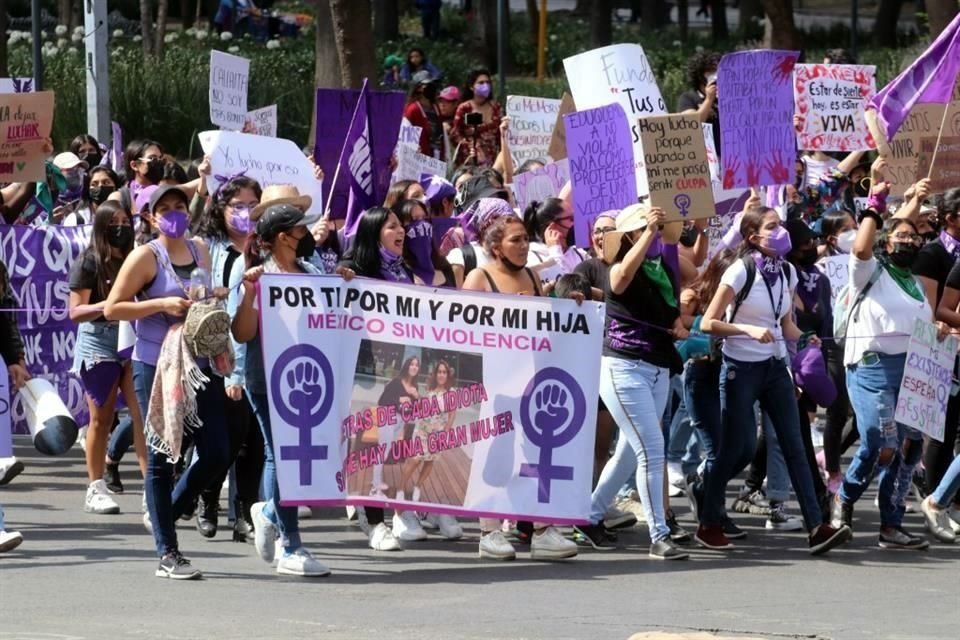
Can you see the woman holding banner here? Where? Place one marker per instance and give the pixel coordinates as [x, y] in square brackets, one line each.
[103, 371]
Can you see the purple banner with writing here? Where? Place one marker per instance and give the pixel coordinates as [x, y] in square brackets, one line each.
[38, 260]
[335, 109]
[600, 152]
[758, 140]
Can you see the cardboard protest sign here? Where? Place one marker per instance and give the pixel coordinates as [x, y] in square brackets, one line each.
[622, 75]
[540, 184]
[229, 77]
[531, 127]
[266, 160]
[756, 119]
[600, 153]
[831, 99]
[677, 173]
[903, 159]
[411, 164]
[558, 140]
[505, 410]
[409, 134]
[25, 122]
[16, 85]
[946, 163]
[263, 122]
[837, 270]
[927, 380]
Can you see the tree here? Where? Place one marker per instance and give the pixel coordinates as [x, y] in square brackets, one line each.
[582, 8]
[486, 26]
[885, 26]
[940, 13]
[352, 29]
[534, 14]
[718, 20]
[751, 11]
[781, 32]
[654, 14]
[601, 27]
[327, 68]
[146, 26]
[163, 7]
[4, 72]
[386, 19]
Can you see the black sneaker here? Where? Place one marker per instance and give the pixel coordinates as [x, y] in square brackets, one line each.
[901, 539]
[11, 472]
[111, 475]
[678, 534]
[731, 530]
[841, 514]
[693, 487]
[666, 550]
[753, 502]
[594, 535]
[826, 537]
[176, 567]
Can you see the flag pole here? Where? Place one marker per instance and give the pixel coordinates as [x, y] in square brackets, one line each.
[943, 123]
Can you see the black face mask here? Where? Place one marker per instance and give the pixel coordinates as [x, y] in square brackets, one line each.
[120, 236]
[688, 237]
[99, 194]
[930, 236]
[571, 237]
[306, 246]
[904, 254]
[154, 171]
[807, 257]
[510, 265]
[92, 159]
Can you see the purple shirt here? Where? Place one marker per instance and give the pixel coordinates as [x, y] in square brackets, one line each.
[153, 329]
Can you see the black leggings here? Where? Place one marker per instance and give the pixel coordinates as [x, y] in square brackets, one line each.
[246, 453]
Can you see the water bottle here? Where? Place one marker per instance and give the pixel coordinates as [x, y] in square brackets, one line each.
[199, 284]
[888, 427]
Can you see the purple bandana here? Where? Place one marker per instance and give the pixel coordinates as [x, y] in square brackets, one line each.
[769, 266]
[480, 213]
[392, 269]
[419, 243]
[951, 244]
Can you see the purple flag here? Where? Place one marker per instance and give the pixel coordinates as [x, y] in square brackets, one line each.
[419, 242]
[116, 148]
[758, 141]
[356, 165]
[334, 113]
[929, 80]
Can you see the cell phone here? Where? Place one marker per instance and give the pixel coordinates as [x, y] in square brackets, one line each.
[474, 119]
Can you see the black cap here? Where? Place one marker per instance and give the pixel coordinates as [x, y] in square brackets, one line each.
[164, 190]
[277, 219]
[480, 187]
[800, 233]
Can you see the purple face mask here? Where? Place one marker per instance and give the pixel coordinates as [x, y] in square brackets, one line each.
[482, 89]
[173, 224]
[240, 221]
[779, 242]
[419, 242]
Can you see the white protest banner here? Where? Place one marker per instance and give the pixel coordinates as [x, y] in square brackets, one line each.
[266, 160]
[409, 134]
[618, 74]
[831, 99]
[411, 164]
[504, 410]
[16, 85]
[540, 184]
[927, 380]
[531, 127]
[262, 122]
[837, 270]
[229, 76]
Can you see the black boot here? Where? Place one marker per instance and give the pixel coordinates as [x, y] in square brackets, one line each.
[111, 475]
[243, 523]
[207, 517]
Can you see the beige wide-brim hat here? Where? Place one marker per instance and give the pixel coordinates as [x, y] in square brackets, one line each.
[280, 194]
[633, 218]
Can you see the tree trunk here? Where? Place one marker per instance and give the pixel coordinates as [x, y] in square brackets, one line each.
[486, 25]
[683, 18]
[63, 13]
[718, 20]
[534, 12]
[352, 28]
[386, 19]
[582, 8]
[327, 72]
[885, 27]
[780, 33]
[601, 27]
[187, 12]
[146, 26]
[163, 7]
[940, 14]
[750, 12]
[4, 72]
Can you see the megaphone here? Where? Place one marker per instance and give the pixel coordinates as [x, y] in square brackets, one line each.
[51, 426]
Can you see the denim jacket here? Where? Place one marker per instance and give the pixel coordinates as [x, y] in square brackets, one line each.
[219, 251]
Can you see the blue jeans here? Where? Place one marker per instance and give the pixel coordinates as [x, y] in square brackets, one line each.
[768, 382]
[778, 477]
[635, 393]
[948, 487]
[167, 503]
[869, 386]
[284, 517]
[701, 392]
[682, 441]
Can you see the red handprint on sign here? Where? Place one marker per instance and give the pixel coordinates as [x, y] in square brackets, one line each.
[778, 169]
[730, 172]
[784, 69]
[753, 174]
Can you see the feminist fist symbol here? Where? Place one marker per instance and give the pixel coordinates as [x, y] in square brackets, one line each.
[552, 412]
[305, 387]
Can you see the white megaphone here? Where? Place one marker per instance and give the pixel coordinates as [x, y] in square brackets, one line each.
[52, 427]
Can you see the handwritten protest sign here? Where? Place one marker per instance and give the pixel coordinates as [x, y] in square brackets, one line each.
[263, 122]
[601, 162]
[266, 160]
[904, 150]
[558, 139]
[618, 74]
[16, 85]
[946, 165]
[540, 184]
[531, 127]
[25, 122]
[927, 380]
[677, 171]
[229, 76]
[837, 270]
[756, 120]
[831, 99]
[411, 164]
[409, 134]
[510, 440]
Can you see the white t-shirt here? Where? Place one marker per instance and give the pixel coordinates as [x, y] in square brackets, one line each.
[550, 263]
[886, 309]
[757, 310]
[815, 169]
[456, 256]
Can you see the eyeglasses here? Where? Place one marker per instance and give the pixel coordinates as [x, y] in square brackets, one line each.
[603, 230]
[150, 158]
[242, 205]
[907, 237]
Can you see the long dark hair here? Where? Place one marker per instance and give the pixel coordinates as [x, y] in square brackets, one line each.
[213, 223]
[540, 215]
[396, 194]
[472, 79]
[750, 225]
[432, 378]
[706, 285]
[100, 247]
[364, 256]
[93, 171]
[82, 139]
[135, 151]
[405, 368]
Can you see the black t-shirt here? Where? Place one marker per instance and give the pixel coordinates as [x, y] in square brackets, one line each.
[936, 263]
[83, 275]
[693, 100]
[596, 271]
[953, 278]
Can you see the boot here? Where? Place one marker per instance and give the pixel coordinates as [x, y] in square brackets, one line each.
[111, 474]
[207, 517]
[243, 523]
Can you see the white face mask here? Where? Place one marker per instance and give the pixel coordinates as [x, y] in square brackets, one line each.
[845, 240]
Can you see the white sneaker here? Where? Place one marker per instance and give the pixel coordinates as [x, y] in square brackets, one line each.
[614, 518]
[351, 512]
[10, 468]
[98, 499]
[780, 520]
[494, 546]
[407, 527]
[955, 520]
[448, 526]
[143, 503]
[9, 540]
[382, 539]
[147, 523]
[304, 512]
[675, 475]
[264, 532]
[551, 545]
[301, 563]
[416, 494]
[429, 521]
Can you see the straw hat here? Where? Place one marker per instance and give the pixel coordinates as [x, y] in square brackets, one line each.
[280, 194]
[633, 218]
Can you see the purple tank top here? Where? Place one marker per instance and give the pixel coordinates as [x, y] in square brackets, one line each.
[153, 329]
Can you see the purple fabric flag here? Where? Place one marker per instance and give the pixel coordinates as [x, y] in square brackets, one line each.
[116, 148]
[929, 80]
[334, 114]
[758, 141]
[602, 168]
[419, 242]
[356, 165]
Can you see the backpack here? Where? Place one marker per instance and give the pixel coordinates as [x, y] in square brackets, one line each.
[845, 309]
[751, 268]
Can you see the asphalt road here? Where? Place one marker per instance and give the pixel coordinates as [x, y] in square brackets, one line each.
[85, 576]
